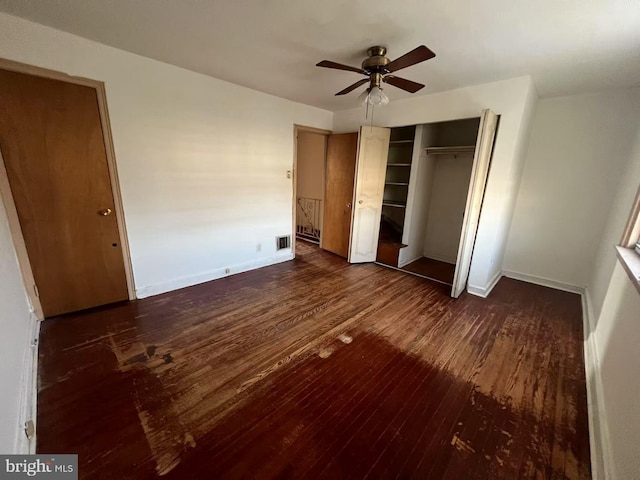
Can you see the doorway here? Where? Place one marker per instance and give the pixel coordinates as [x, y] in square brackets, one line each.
[59, 186]
[311, 153]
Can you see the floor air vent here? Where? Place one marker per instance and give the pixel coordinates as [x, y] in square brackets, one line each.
[283, 242]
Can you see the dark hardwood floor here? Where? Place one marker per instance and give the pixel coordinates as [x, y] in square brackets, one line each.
[436, 269]
[319, 369]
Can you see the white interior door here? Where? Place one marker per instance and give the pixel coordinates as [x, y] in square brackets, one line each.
[481, 160]
[371, 169]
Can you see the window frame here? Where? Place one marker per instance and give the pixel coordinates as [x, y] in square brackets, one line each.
[629, 248]
[631, 235]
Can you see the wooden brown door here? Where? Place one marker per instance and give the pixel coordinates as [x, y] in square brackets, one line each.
[340, 176]
[54, 153]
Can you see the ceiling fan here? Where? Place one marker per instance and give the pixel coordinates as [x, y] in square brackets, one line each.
[378, 68]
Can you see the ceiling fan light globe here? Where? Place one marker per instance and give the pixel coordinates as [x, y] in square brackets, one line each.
[363, 98]
[377, 97]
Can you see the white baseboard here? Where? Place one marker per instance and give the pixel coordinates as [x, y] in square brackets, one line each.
[545, 282]
[29, 396]
[485, 291]
[601, 464]
[190, 280]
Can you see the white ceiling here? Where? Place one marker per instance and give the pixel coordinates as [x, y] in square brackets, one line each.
[568, 46]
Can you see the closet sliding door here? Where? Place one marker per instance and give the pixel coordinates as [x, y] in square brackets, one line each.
[480, 170]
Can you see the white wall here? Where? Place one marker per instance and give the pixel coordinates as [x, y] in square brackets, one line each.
[16, 326]
[513, 100]
[622, 195]
[447, 202]
[202, 167]
[578, 148]
[415, 219]
[617, 337]
[612, 355]
[415, 226]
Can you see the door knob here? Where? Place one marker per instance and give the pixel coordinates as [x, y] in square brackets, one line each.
[349, 205]
[360, 201]
[104, 212]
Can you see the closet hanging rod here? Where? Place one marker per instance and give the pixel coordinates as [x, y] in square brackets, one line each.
[450, 150]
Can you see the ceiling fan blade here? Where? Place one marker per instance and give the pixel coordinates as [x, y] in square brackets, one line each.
[417, 55]
[404, 84]
[350, 88]
[339, 66]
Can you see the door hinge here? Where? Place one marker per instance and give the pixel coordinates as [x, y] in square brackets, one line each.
[35, 289]
[29, 429]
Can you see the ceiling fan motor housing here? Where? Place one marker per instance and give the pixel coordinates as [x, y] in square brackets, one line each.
[376, 61]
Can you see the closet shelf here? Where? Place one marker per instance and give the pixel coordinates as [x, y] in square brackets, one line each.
[398, 164]
[400, 142]
[450, 150]
[397, 183]
[389, 203]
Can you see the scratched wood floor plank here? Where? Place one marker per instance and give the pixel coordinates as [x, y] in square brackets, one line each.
[319, 369]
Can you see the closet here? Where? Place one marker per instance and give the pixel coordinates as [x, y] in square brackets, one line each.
[434, 185]
[425, 240]
[402, 147]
